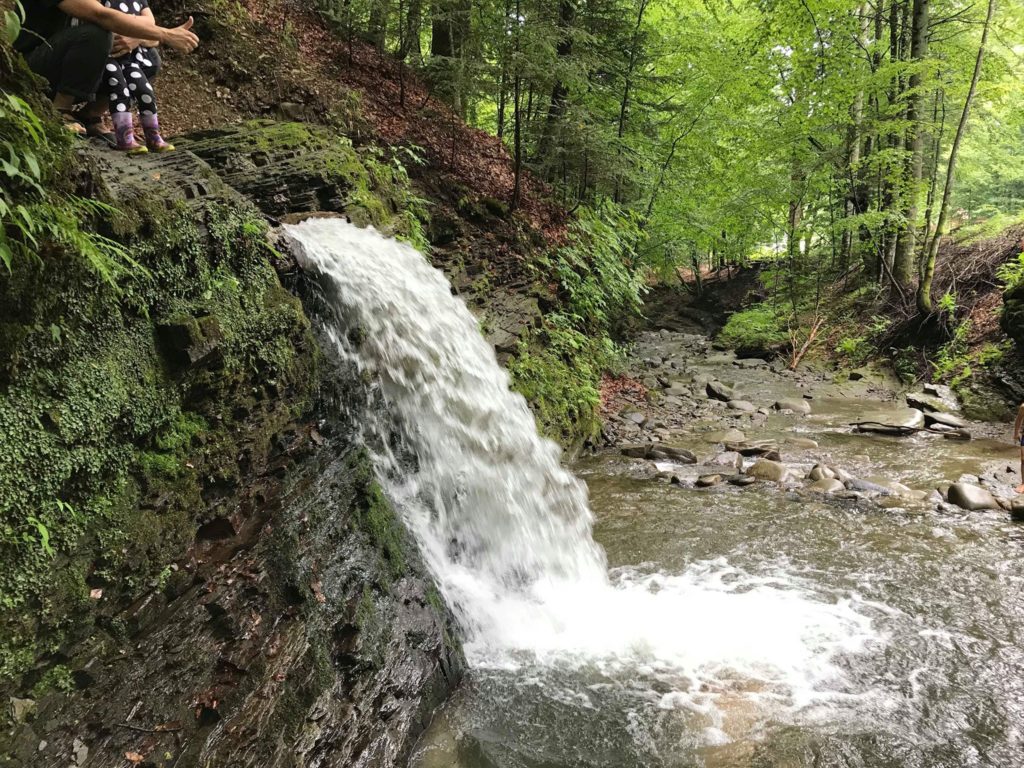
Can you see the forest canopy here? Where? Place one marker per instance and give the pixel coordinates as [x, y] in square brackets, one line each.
[830, 133]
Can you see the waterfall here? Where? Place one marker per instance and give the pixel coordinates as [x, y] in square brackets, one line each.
[505, 528]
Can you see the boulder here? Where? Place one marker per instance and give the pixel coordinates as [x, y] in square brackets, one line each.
[636, 451]
[971, 497]
[766, 469]
[728, 459]
[827, 485]
[821, 472]
[741, 405]
[866, 486]
[793, 404]
[718, 391]
[925, 401]
[706, 481]
[677, 390]
[22, 710]
[945, 419]
[636, 417]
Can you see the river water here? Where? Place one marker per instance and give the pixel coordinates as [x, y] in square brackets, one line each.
[614, 619]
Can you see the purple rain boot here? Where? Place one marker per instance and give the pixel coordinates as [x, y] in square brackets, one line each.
[124, 132]
[151, 127]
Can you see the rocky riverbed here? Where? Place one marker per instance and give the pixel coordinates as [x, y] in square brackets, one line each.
[698, 417]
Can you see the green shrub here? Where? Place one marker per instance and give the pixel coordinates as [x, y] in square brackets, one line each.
[764, 326]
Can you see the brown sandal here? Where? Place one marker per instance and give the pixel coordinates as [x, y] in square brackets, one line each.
[71, 122]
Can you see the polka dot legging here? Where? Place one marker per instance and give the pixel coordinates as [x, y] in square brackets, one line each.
[127, 78]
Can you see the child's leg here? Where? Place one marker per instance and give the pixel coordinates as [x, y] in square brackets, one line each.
[142, 90]
[119, 97]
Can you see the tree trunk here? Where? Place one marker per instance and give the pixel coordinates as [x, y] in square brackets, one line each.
[517, 97]
[924, 291]
[559, 92]
[903, 263]
[378, 26]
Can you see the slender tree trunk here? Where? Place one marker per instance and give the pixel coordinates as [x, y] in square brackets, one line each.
[924, 291]
[627, 86]
[938, 118]
[517, 116]
[903, 264]
[378, 27]
[559, 92]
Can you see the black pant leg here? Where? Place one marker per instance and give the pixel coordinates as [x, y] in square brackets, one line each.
[72, 60]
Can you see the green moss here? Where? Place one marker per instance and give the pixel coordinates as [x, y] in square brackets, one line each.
[98, 421]
[558, 370]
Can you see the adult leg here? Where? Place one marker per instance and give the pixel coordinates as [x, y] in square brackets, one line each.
[72, 63]
[1020, 488]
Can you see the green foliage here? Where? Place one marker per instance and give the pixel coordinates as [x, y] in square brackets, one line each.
[558, 370]
[1011, 273]
[35, 214]
[598, 270]
[762, 327]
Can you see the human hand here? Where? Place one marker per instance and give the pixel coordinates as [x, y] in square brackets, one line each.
[181, 39]
[123, 45]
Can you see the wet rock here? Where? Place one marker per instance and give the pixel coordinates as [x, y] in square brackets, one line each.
[80, 752]
[961, 435]
[706, 481]
[741, 405]
[681, 455]
[718, 391]
[821, 472]
[753, 447]
[190, 342]
[741, 480]
[803, 443]
[636, 451]
[751, 362]
[866, 486]
[636, 417]
[928, 402]
[771, 471]
[725, 436]
[1017, 508]
[728, 459]
[945, 419]
[827, 485]
[792, 404]
[971, 497]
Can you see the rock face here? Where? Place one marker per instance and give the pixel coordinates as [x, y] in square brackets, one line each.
[971, 497]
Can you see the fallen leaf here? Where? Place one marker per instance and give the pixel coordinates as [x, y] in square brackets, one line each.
[96, 594]
[133, 757]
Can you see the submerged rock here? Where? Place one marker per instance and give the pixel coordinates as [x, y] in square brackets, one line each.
[821, 472]
[971, 497]
[793, 404]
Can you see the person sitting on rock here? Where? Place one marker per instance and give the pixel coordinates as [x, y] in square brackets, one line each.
[68, 43]
[126, 79]
[1018, 438]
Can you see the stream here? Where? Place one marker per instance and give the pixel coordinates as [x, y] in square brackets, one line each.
[618, 615]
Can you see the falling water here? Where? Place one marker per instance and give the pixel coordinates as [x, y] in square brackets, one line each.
[506, 530]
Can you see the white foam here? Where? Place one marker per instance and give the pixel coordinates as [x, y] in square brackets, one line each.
[506, 530]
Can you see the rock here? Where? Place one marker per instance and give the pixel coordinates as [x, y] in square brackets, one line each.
[766, 469]
[22, 710]
[728, 459]
[672, 453]
[81, 751]
[636, 451]
[827, 485]
[945, 419]
[957, 434]
[677, 390]
[718, 391]
[741, 480]
[706, 481]
[742, 406]
[971, 497]
[753, 447]
[866, 486]
[1017, 508]
[191, 342]
[637, 418]
[725, 436]
[821, 472]
[930, 402]
[750, 362]
[797, 406]
[803, 443]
